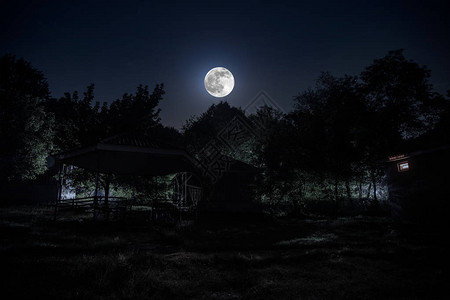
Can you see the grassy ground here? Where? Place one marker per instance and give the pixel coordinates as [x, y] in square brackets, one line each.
[357, 258]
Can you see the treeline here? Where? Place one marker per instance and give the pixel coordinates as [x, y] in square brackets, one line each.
[334, 142]
[329, 146]
[34, 125]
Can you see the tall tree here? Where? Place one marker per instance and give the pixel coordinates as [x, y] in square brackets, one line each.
[138, 112]
[401, 105]
[82, 121]
[77, 121]
[25, 127]
[198, 131]
[399, 97]
[328, 120]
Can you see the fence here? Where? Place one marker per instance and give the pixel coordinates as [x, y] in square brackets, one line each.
[116, 205]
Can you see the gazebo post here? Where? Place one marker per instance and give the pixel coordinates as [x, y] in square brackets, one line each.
[59, 191]
[95, 196]
[106, 196]
[156, 187]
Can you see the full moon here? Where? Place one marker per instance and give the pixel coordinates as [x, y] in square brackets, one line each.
[219, 82]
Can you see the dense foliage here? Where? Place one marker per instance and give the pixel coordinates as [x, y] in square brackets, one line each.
[26, 128]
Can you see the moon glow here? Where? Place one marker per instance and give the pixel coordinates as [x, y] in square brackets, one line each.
[219, 82]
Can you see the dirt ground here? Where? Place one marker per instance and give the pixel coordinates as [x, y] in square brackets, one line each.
[348, 258]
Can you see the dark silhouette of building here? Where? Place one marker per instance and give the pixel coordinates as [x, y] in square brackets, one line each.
[419, 185]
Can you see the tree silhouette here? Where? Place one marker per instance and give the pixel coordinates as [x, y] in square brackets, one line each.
[77, 121]
[328, 121]
[401, 105]
[81, 122]
[399, 96]
[136, 112]
[198, 131]
[25, 128]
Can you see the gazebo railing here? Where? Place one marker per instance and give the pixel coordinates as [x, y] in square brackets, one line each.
[95, 204]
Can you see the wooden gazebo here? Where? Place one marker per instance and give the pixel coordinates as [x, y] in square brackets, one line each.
[127, 155]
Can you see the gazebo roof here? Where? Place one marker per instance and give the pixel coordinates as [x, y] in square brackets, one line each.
[131, 155]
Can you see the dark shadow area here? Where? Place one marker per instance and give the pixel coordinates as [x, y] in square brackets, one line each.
[356, 258]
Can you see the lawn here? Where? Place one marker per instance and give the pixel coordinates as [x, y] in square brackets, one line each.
[348, 258]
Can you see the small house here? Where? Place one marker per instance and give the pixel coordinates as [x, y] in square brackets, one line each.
[419, 185]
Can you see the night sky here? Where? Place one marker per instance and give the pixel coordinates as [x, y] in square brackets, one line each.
[280, 47]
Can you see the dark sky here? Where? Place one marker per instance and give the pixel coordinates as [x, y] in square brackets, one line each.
[277, 46]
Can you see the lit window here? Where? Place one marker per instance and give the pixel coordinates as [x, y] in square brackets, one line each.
[403, 166]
